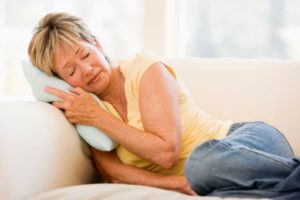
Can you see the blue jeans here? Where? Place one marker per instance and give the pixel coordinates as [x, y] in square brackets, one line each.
[254, 160]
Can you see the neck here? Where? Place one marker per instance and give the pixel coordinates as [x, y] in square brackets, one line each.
[113, 93]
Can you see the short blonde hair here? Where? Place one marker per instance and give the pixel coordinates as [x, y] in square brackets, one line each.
[51, 31]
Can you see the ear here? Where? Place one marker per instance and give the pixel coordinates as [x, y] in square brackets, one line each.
[97, 44]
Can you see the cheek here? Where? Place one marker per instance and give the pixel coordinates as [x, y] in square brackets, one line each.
[75, 81]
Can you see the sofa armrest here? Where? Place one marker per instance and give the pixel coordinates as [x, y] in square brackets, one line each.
[39, 150]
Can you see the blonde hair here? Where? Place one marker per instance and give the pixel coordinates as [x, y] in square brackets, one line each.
[51, 31]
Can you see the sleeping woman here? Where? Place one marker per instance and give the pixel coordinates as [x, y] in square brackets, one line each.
[165, 140]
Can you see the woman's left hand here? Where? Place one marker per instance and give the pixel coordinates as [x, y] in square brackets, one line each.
[182, 185]
[79, 107]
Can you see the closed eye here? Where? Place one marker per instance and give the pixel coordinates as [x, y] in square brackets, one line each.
[85, 56]
[72, 71]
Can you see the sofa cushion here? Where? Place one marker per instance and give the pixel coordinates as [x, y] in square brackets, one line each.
[117, 192]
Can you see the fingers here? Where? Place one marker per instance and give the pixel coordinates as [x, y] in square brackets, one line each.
[190, 191]
[77, 90]
[59, 105]
[193, 193]
[68, 114]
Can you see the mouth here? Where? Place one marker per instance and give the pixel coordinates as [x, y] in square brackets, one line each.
[94, 79]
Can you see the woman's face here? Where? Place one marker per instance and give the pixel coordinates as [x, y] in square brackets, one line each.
[83, 65]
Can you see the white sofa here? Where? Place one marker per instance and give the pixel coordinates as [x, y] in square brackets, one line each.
[40, 151]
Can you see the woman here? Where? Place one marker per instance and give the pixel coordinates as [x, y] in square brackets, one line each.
[163, 137]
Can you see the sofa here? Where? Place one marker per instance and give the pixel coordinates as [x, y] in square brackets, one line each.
[42, 156]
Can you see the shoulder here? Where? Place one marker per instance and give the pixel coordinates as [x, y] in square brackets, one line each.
[135, 67]
[138, 62]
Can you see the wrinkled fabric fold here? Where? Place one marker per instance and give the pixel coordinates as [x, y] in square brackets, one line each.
[255, 160]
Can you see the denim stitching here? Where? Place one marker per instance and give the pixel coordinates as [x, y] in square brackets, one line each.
[284, 138]
[244, 149]
[232, 129]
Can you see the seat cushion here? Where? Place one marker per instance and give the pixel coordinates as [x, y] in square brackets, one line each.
[117, 192]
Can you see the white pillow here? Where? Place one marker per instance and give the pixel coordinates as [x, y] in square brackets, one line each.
[38, 80]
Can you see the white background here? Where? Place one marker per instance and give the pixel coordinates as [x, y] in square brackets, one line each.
[201, 28]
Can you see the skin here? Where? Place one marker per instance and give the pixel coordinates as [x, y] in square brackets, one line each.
[84, 67]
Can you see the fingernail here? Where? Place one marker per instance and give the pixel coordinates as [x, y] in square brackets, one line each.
[46, 89]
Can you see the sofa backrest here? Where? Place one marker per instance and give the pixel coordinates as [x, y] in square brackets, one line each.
[246, 90]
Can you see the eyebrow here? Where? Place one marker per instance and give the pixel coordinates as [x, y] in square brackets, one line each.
[76, 52]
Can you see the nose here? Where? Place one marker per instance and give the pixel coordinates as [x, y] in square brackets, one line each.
[85, 68]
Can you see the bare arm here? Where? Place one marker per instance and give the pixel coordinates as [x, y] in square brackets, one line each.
[160, 143]
[114, 171]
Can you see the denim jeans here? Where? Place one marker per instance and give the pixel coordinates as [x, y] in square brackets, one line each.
[254, 160]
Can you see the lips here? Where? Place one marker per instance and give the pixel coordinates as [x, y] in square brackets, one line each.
[95, 78]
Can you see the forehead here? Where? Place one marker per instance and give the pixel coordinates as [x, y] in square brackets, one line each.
[63, 49]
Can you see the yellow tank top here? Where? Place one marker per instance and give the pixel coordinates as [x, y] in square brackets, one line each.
[197, 126]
